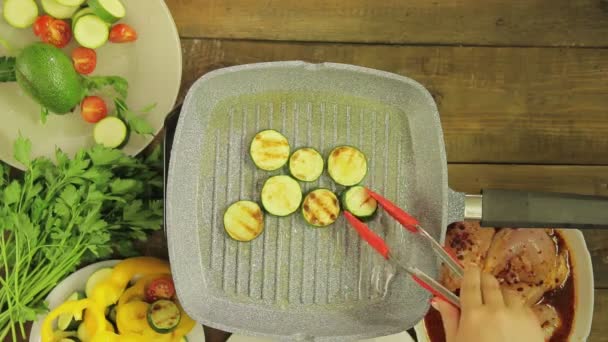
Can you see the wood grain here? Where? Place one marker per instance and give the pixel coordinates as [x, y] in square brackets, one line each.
[491, 22]
[599, 327]
[497, 105]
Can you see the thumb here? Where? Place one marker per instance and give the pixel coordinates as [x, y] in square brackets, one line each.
[450, 315]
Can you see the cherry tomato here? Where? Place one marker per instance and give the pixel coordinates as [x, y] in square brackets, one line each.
[85, 60]
[93, 109]
[161, 288]
[41, 25]
[122, 33]
[58, 33]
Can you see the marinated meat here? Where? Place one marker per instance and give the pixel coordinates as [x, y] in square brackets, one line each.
[470, 243]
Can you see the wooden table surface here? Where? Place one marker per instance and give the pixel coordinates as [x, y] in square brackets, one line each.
[522, 86]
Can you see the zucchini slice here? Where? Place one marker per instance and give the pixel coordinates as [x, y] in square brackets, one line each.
[111, 132]
[57, 10]
[96, 278]
[71, 2]
[244, 221]
[281, 195]
[347, 165]
[20, 13]
[109, 11]
[306, 164]
[269, 150]
[164, 316]
[90, 31]
[359, 203]
[69, 321]
[81, 13]
[320, 208]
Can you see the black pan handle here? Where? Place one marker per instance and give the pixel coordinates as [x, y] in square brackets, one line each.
[170, 126]
[509, 208]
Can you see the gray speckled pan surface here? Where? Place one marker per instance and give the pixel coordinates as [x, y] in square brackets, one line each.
[294, 281]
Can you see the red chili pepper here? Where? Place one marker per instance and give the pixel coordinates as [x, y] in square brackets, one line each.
[407, 221]
[368, 235]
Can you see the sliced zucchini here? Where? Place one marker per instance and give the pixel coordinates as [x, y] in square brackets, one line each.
[110, 11]
[244, 221]
[90, 31]
[20, 13]
[81, 13]
[347, 165]
[183, 339]
[164, 316]
[69, 321]
[71, 2]
[111, 132]
[321, 208]
[359, 203]
[57, 10]
[281, 195]
[96, 278]
[70, 339]
[269, 150]
[306, 164]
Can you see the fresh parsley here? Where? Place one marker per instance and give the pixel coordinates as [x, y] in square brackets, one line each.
[63, 213]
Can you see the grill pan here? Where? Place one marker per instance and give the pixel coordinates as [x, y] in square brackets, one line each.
[298, 282]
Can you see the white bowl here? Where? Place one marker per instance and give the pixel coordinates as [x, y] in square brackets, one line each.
[76, 282]
[583, 288]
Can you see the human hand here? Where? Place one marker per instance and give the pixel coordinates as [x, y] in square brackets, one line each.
[487, 314]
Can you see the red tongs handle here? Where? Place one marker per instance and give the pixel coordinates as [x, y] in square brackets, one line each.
[368, 235]
[407, 221]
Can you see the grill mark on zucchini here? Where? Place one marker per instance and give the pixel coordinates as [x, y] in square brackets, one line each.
[321, 208]
[269, 150]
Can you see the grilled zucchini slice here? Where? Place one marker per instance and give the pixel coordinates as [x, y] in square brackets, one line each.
[164, 316]
[269, 150]
[359, 203]
[244, 221]
[347, 165]
[320, 208]
[306, 164]
[281, 195]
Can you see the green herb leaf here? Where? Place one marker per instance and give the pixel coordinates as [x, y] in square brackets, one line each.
[12, 194]
[136, 123]
[44, 113]
[97, 83]
[7, 69]
[23, 150]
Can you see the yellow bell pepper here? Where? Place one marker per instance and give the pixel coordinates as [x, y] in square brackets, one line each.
[112, 290]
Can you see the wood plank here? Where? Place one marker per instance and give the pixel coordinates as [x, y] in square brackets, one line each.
[599, 327]
[584, 180]
[491, 22]
[497, 105]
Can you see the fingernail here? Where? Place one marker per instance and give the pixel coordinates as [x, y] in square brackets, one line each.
[435, 303]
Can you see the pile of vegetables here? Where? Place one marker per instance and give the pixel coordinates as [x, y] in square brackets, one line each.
[60, 84]
[61, 214]
[281, 195]
[133, 301]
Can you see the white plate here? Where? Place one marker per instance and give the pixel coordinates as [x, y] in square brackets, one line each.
[152, 65]
[76, 282]
[401, 337]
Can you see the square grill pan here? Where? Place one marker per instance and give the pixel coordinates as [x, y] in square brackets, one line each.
[295, 281]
